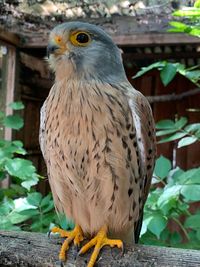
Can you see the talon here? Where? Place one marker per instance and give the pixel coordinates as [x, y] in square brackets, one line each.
[98, 242]
[75, 235]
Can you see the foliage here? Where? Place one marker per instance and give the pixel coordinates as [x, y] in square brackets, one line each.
[168, 71]
[174, 190]
[21, 207]
[187, 134]
[192, 15]
[169, 202]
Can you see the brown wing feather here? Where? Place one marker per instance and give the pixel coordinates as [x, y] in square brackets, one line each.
[145, 133]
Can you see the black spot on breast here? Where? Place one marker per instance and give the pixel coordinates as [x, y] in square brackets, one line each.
[83, 158]
[128, 126]
[129, 154]
[150, 151]
[135, 144]
[130, 191]
[149, 167]
[124, 142]
[149, 133]
[130, 218]
[132, 136]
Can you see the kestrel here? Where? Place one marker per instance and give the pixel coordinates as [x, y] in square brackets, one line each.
[98, 140]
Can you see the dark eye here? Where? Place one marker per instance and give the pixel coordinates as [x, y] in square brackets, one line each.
[82, 38]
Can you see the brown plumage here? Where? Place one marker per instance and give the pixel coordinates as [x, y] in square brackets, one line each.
[97, 135]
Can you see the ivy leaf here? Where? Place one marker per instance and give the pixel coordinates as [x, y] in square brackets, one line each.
[16, 105]
[187, 141]
[168, 73]
[162, 167]
[13, 121]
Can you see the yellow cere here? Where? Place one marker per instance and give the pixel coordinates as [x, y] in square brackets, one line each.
[80, 38]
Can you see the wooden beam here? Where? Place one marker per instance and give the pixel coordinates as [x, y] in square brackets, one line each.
[145, 39]
[35, 249]
[139, 39]
[9, 37]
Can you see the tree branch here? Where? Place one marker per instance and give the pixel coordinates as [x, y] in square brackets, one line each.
[35, 249]
[173, 97]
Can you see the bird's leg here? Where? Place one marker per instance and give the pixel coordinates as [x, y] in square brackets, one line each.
[98, 242]
[76, 235]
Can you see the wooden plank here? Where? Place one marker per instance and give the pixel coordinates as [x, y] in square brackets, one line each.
[9, 37]
[35, 249]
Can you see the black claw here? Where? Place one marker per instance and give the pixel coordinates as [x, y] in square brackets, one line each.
[61, 263]
[49, 234]
[121, 254]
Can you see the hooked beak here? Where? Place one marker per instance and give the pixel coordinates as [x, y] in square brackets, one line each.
[51, 49]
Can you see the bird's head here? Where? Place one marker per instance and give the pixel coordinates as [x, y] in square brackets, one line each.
[85, 50]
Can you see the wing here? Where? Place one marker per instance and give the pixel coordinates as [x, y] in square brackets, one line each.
[145, 135]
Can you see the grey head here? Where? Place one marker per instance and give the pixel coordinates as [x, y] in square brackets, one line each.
[88, 48]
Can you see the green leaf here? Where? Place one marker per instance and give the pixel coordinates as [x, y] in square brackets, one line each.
[16, 105]
[162, 167]
[179, 124]
[191, 192]
[156, 65]
[157, 224]
[181, 26]
[170, 194]
[192, 127]
[175, 238]
[165, 132]
[45, 200]
[165, 124]
[16, 218]
[13, 121]
[187, 141]
[172, 137]
[29, 212]
[20, 168]
[197, 4]
[193, 222]
[29, 183]
[191, 176]
[34, 199]
[168, 73]
[187, 12]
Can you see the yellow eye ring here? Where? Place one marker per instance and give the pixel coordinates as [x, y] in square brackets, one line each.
[80, 38]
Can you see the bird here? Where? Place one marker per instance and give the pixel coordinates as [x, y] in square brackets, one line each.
[97, 137]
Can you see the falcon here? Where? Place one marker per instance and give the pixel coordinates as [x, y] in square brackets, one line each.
[97, 137]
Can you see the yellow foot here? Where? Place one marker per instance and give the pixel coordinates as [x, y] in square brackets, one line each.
[76, 235]
[98, 242]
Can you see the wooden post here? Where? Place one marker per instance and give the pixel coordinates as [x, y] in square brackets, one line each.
[8, 91]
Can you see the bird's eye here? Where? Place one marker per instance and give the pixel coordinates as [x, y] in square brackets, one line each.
[80, 38]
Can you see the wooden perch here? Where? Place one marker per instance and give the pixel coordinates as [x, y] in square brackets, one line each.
[35, 249]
